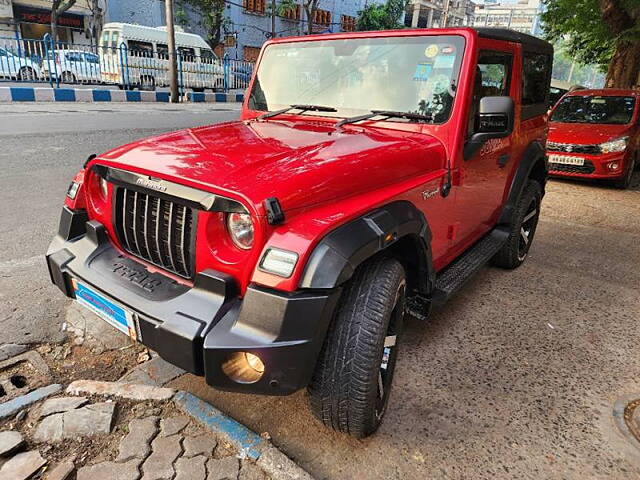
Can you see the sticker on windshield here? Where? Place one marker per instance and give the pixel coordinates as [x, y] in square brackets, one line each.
[431, 51]
[423, 72]
[444, 61]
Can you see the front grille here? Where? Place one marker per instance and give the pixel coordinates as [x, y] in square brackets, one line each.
[560, 167]
[156, 230]
[573, 148]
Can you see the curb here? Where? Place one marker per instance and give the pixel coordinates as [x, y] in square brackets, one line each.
[48, 94]
[271, 460]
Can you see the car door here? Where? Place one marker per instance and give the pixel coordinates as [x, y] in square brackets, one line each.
[484, 174]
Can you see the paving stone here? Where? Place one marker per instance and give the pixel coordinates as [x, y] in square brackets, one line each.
[8, 350]
[249, 471]
[191, 468]
[110, 471]
[62, 470]
[172, 425]
[9, 442]
[123, 390]
[93, 419]
[137, 443]
[62, 404]
[223, 469]
[164, 451]
[13, 406]
[22, 466]
[200, 445]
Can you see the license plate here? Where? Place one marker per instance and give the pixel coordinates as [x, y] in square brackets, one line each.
[566, 160]
[113, 314]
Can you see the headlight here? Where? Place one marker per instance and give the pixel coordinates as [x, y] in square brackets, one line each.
[617, 145]
[240, 229]
[279, 262]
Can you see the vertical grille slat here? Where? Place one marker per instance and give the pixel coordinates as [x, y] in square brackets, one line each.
[156, 230]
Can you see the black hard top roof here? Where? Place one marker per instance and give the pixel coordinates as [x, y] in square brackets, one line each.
[529, 42]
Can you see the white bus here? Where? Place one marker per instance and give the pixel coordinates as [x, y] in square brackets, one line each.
[143, 62]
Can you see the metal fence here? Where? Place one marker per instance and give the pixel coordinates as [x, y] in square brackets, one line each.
[125, 66]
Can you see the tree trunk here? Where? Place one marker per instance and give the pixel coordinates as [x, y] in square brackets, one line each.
[624, 67]
[54, 27]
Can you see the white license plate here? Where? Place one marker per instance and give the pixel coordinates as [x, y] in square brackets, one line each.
[566, 160]
[113, 314]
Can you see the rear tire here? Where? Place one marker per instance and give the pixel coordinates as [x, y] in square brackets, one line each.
[68, 77]
[515, 250]
[148, 84]
[350, 388]
[27, 74]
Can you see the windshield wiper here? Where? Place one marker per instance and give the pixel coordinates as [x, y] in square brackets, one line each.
[302, 108]
[386, 114]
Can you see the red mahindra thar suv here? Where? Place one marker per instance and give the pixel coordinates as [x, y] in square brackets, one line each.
[596, 134]
[370, 174]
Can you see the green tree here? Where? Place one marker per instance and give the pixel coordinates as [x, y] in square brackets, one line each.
[212, 18]
[602, 32]
[279, 9]
[387, 16]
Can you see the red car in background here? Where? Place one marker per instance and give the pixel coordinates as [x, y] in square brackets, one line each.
[595, 134]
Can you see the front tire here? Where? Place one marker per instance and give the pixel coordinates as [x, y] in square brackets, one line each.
[624, 182]
[515, 250]
[350, 388]
[27, 74]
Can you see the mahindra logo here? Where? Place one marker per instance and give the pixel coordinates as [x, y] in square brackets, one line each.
[153, 185]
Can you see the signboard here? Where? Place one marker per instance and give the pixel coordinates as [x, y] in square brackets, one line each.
[36, 15]
[6, 10]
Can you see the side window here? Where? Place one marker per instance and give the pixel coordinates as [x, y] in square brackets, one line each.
[140, 49]
[74, 57]
[536, 74]
[91, 58]
[163, 51]
[114, 40]
[2, 53]
[207, 56]
[493, 78]
[187, 54]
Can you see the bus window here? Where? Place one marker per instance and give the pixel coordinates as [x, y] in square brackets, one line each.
[207, 56]
[187, 54]
[163, 51]
[140, 49]
[114, 39]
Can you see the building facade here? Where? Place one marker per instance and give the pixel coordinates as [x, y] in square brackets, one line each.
[523, 15]
[439, 13]
[31, 20]
[248, 22]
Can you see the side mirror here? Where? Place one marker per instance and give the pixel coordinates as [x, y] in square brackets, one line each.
[494, 120]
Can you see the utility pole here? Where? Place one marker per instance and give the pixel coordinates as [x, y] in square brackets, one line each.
[273, 18]
[171, 44]
[445, 17]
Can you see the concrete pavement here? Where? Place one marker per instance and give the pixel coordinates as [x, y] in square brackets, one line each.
[515, 378]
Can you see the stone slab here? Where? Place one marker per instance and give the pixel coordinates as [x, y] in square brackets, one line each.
[94, 419]
[280, 467]
[62, 470]
[110, 471]
[191, 468]
[13, 406]
[60, 405]
[11, 349]
[122, 390]
[22, 466]
[156, 372]
[172, 425]
[200, 445]
[164, 452]
[10, 441]
[223, 469]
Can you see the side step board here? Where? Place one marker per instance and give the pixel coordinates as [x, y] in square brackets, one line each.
[453, 277]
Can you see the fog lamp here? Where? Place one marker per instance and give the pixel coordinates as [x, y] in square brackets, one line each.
[243, 367]
[613, 166]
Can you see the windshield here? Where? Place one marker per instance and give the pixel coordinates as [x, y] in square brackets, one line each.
[402, 74]
[583, 109]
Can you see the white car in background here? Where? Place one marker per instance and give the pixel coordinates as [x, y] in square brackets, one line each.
[18, 67]
[73, 66]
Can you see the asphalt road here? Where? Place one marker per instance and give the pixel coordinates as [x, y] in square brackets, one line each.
[516, 377]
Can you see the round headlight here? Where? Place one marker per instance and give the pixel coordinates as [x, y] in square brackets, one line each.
[240, 229]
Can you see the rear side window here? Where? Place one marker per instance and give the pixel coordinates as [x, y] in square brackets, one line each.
[163, 51]
[207, 56]
[187, 54]
[91, 58]
[536, 76]
[74, 57]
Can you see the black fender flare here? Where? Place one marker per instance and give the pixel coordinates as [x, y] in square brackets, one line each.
[533, 154]
[334, 260]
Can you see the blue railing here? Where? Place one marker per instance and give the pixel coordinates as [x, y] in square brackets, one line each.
[121, 65]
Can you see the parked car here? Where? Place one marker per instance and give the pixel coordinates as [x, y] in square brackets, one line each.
[595, 134]
[281, 251]
[559, 88]
[73, 66]
[18, 67]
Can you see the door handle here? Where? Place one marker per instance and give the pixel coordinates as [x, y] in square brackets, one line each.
[503, 160]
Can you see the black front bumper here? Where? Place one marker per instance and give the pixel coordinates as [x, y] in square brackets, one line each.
[198, 328]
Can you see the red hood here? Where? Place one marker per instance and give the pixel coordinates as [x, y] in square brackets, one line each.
[299, 163]
[585, 133]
